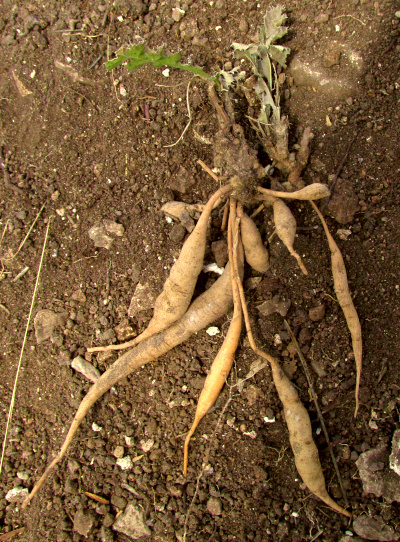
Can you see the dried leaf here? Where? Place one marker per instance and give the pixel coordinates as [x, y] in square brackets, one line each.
[75, 76]
[21, 89]
[11, 534]
[96, 498]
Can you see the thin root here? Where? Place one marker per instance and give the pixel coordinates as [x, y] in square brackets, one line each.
[189, 121]
[208, 170]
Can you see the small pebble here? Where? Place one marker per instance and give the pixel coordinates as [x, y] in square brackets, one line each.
[147, 445]
[79, 296]
[83, 523]
[188, 29]
[84, 367]
[177, 233]
[125, 463]
[119, 452]
[230, 420]
[322, 18]
[96, 427]
[243, 26]
[17, 494]
[177, 14]
[8, 40]
[132, 523]
[317, 313]
[214, 506]
[118, 502]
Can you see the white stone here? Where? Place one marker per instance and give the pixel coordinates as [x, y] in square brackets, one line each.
[147, 444]
[125, 463]
[84, 367]
[177, 14]
[131, 523]
[394, 459]
[96, 427]
[269, 420]
[17, 494]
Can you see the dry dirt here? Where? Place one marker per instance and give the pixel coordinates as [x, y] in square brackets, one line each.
[98, 150]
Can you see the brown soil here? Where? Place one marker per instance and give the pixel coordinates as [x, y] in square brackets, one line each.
[90, 154]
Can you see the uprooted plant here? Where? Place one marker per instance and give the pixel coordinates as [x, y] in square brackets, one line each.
[176, 317]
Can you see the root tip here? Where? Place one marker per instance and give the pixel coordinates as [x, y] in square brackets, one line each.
[300, 262]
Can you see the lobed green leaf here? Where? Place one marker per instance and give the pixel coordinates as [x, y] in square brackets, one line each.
[136, 56]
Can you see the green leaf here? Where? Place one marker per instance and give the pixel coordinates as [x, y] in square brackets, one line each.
[193, 69]
[279, 54]
[136, 56]
[264, 65]
[261, 56]
[267, 101]
[273, 29]
[232, 76]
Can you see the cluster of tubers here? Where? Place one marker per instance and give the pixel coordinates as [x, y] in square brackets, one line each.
[176, 317]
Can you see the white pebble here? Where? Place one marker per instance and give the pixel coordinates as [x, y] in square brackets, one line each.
[213, 268]
[96, 427]
[165, 72]
[125, 463]
[269, 420]
[17, 494]
[343, 234]
[147, 444]
[212, 331]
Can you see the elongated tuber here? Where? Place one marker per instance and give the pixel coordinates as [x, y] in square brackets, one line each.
[178, 289]
[285, 225]
[209, 306]
[301, 440]
[304, 449]
[310, 192]
[255, 252]
[343, 295]
[222, 364]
